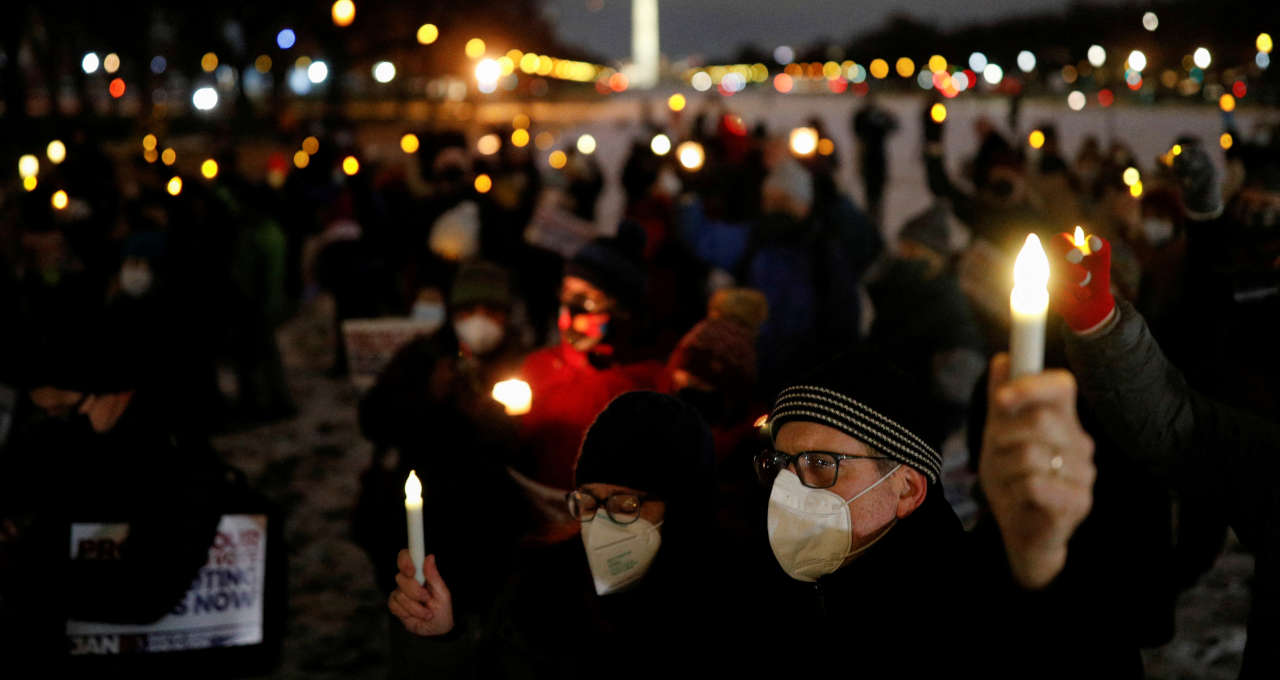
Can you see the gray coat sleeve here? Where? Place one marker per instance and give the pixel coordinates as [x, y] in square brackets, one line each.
[1146, 405]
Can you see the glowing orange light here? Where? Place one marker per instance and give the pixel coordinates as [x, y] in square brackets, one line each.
[520, 137]
[1036, 139]
[618, 82]
[783, 83]
[344, 12]
[149, 142]
[301, 159]
[116, 88]
[428, 33]
[350, 165]
[938, 112]
[311, 145]
[1225, 141]
[29, 183]
[59, 199]
[483, 183]
[676, 102]
[557, 159]
[174, 187]
[169, 157]
[209, 62]
[1227, 103]
[409, 143]
[209, 168]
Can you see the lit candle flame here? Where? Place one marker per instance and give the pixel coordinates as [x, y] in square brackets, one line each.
[1081, 242]
[1030, 279]
[514, 395]
[804, 141]
[413, 488]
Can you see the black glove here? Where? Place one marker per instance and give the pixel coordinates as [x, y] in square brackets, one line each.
[1201, 192]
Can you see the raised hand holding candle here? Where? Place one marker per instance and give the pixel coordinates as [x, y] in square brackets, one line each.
[514, 395]
[1028, 302]
[413, 511]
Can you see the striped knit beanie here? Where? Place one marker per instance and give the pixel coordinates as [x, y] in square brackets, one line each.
[862, 395]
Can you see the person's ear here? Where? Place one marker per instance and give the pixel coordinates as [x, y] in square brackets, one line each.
[911, 490]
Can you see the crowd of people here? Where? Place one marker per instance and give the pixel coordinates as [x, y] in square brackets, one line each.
[740, 395]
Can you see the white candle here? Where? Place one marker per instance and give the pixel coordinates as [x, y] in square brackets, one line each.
[413, 511]
[514, 395]
[1029, 302]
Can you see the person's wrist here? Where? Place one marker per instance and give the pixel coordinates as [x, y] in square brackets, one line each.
[1036, 568]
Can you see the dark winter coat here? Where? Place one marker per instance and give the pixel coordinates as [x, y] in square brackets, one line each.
[1177, 433]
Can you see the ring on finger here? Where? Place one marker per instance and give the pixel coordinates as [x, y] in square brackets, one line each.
[1055, 465]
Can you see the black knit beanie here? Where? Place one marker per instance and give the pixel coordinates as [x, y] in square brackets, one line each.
[613, 264]
[864, 396]
[650, 442]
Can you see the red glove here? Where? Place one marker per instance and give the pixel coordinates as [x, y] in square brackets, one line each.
[1081, 285]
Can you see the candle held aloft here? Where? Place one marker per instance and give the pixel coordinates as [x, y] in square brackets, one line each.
[413, 512]
[1082, 244]
[514, 395]
[1029, 303]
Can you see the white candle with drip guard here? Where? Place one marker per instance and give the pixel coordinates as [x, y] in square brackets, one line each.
[413, 512]
[514, 395]
[1029, 303]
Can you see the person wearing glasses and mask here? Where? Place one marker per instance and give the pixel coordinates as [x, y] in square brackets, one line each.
[876, 556]
[601, 298]
[630, 594]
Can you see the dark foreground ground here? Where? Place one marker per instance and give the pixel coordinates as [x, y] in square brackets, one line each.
[338, 620]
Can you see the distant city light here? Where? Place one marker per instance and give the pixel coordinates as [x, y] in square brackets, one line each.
[311, 145]
[483, 183]
[159, 64]
[1036, 139]
[384, 71]
[905, 67]
[993, 74]
[317, 72]
[660, 144]
[937, 63]
[783, 54]
[557, 159]
[1263, 60]
[1225, 141]
[1201, 57]
[977, 62]
[350, 166]
[475, 48]
[1076, 100]
[938, 112]
[488, 144]
[286, 38]
[89, 63]
[28, 166]
[586, 144]
[1263, 43]
[116, 88]
[1135, 190]
[262, 64]
[111, 63]
[701, 81]
[205, 98]
[209, 168]
[487, 73]
[409, 143]
[427, 34]
[1130, 176]
[56, 152]
[783, 83]
[149, 142]
[1137, 60]
[1227, 103]
[174, 187]
[344, 12]
[59, 199]
[29, 183]
[169, 156]
[1097, 55]
[1026, 61]
[676, 102]
[209, 62]
[1150, 21]
[879, 69]
[301, 159]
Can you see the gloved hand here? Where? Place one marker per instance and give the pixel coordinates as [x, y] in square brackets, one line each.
[1081, 284]
[1201, 191]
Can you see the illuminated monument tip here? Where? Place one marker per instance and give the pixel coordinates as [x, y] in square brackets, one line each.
[645, 57]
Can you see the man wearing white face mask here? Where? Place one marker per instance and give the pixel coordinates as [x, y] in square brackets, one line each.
[856, 518]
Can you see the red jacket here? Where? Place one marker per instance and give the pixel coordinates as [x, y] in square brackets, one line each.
[568, 392]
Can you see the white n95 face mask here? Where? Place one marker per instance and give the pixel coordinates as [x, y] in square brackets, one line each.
[810, 530]
[479, 333]
[619, 554]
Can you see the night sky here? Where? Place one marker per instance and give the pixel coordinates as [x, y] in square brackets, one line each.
[716, 28]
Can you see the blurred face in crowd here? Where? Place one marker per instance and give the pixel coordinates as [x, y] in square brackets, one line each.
[585, 312]
[912, 250]
[480, 328]
[1005, 185]
[874, 512]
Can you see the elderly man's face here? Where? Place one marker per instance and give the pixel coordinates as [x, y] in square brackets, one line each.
[871, 513]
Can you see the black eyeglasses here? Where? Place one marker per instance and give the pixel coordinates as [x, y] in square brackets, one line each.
[816, 469]
[622, 508]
